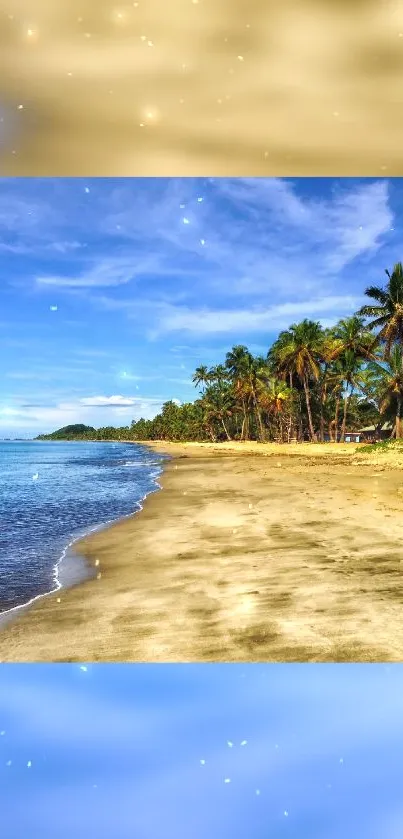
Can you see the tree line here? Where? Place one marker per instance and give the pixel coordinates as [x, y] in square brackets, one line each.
[313, 384]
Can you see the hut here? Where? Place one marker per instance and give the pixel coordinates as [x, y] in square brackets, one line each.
[375, 433]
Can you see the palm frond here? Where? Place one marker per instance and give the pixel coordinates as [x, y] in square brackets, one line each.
[377, 293]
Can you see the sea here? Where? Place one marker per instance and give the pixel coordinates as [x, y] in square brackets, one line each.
[52, 494]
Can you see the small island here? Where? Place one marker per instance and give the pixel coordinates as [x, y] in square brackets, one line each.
[79, 431]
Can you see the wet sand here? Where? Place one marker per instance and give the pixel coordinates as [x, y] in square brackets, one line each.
[292, 556]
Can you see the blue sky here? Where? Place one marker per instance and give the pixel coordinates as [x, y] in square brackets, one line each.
[114, 290]
[117, 750]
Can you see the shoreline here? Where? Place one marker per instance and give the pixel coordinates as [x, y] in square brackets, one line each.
[70, 559]
[244, 557]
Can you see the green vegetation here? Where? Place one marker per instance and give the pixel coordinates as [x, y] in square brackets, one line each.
[313, 384]
[71, 432]
[382, 446]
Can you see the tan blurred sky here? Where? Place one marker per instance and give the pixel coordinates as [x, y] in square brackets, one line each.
[214, 87]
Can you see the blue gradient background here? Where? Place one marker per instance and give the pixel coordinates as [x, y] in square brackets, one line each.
[116, 751]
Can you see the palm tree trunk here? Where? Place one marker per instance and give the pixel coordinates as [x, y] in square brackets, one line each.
[243, 436]
[300, 430]
[343, 427]
[322, 404]
[259, 420]
[291, 426]
[225, 429]
[322, 425]
[211, 433]
[336, 420]
[398, 433]
[309, 412]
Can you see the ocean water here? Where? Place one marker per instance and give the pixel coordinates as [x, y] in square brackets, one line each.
[51, 493]
[194, 751]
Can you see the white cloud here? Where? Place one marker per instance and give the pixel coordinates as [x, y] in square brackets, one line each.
[95, 411]
[209, 321]
[276, 235]
[105, 401]
[105, 272]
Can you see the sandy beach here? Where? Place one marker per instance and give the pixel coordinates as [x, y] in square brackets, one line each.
[251, 552]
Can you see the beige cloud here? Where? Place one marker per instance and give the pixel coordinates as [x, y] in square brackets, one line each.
[216, 87]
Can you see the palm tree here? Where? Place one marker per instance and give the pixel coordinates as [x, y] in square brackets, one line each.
[300, 351]
[352, 334]
[387, 314]
[201, 376]
[219, 375]
[275, 397]
[348, 374]
[217, 405]
[352, 344]
[238, 363]
[258, 375]
[391, 382]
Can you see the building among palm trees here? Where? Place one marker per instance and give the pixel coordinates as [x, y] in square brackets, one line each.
[369, 434]
[351, 437]
[374, 433]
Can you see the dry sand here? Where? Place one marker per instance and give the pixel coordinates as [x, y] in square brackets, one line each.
[292, 556]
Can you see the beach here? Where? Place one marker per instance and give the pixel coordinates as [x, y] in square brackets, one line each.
[251, 552]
